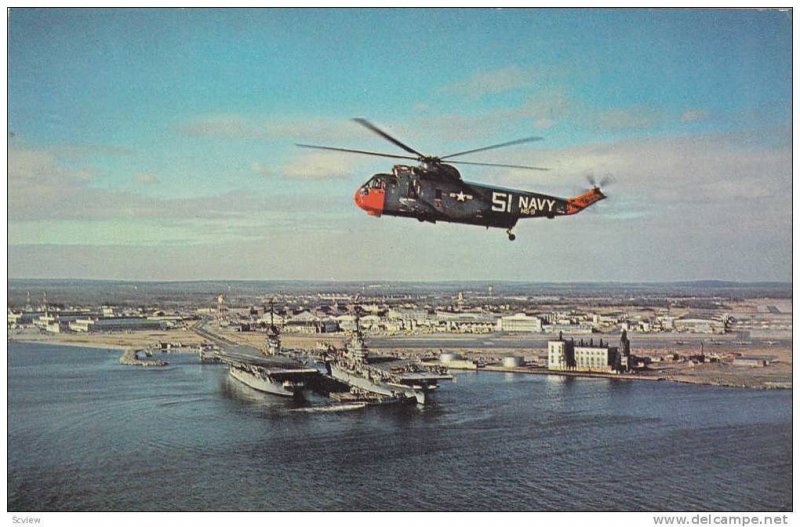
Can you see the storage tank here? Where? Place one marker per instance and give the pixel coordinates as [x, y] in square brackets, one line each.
[444, 358]
[512, 362]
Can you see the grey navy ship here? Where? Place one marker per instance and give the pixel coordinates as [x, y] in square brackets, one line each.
[267, 371]
[388, 377]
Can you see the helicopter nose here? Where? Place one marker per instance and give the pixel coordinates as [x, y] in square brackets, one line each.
[370, 200]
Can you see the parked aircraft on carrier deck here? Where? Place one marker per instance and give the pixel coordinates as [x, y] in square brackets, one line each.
[434, 190]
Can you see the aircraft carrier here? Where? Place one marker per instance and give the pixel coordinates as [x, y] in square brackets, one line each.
[390, 378]
[267, 371]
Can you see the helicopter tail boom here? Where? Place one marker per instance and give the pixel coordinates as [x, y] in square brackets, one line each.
[578, 203]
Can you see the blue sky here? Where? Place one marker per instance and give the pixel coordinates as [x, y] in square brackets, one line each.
[137, 133]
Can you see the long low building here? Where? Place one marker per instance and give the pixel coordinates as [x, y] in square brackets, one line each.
[465, 322]
[699, 325]
[758, 361]
[580, 329]
[88, 325]
[520, 323]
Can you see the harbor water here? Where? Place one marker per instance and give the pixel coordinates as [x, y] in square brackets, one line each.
[88, 434]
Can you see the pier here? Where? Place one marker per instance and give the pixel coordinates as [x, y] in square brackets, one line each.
[537, 370]
[130, 357]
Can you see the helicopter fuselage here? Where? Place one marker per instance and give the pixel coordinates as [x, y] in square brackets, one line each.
[437, 193]
[434, 191]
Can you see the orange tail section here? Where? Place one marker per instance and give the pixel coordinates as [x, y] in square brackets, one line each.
[577, 204]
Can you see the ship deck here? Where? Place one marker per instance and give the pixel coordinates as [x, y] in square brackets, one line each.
[240, 355]
[247, 356]
[396, 366]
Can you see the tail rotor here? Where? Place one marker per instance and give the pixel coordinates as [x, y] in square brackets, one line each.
[603, 182]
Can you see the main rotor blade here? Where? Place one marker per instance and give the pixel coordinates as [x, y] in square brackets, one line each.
[354, 151]
[364, 122]
[495, 165]
[509, 143]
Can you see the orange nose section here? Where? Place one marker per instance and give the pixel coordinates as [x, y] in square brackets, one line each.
[370, 200]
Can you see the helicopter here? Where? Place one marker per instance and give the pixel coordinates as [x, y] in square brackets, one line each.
[434, 191]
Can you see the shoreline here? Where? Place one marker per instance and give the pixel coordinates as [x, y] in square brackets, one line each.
[766, 385]
[771, 385]
[92, 345]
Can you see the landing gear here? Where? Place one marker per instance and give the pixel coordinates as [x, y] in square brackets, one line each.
[511, 235]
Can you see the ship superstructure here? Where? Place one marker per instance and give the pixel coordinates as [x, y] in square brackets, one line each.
[401, 379]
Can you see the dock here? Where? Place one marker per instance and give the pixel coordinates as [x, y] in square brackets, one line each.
[539, 370]
[130, 357]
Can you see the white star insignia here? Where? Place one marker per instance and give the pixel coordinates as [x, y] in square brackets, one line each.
[460, 196]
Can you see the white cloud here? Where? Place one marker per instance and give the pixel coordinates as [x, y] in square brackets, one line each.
[547, 108]
[38, 182]
[43, 189]
[261, 169]
[694, 115]
[550, 104]
[240, 127]
[540, 112]
[692, 206]
[319, 165]
[305, 129]
[544, 110]
[743, 180]
[144, 178]
[632, 117]
[494, 81]
[224, 126]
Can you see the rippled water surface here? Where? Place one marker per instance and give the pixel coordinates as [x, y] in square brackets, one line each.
[85, 433]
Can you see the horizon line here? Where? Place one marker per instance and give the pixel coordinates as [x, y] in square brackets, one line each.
[410, 281]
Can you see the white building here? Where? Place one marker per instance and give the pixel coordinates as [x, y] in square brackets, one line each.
[84, 325]
[520, 322]
[466, 322]
[699, 325]
[594, 358]
[308, 323]
[557, 354]
[568, 355]
[409, 318]
[578, 329]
